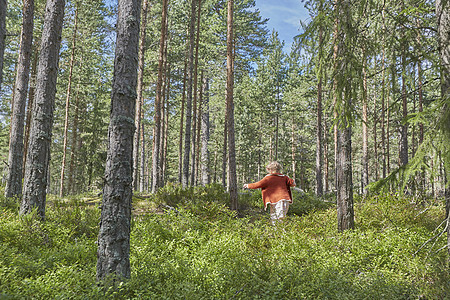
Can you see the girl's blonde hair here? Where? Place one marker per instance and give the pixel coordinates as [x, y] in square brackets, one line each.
[273, 166]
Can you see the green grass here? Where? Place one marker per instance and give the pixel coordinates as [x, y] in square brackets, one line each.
[202, 250]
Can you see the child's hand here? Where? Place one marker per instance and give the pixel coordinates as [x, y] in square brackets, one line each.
[245, 186]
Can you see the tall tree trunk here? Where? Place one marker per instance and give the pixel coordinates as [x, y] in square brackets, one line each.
[156, 166]
[180, 136]
[140, 87]
[164, 89]
[187, 133]
[344, 196]
[319, 135]
[3, 10]
[30, 104]
[195, 88]
[166, 129]
[199, 127]
[206, 176]
[68, 94]
[225, 151]
[325, 154]
[14, 181]
[73, 149]
[35, 181]
[443, 25]
[383, 96]
[232, 180]
[403, 151]
[293, 148]
[365, 136]
[113, 254]
[143, 161]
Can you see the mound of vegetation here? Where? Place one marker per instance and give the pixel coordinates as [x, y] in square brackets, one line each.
[186, 244]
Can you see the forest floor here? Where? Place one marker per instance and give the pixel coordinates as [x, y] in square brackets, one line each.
[186, 244]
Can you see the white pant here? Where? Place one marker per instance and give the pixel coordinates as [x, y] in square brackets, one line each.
[278, 210]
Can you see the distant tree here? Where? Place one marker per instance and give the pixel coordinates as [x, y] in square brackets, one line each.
[36, 169]
[113, 254]
[206, 177]
[3, 9]
[14, 181]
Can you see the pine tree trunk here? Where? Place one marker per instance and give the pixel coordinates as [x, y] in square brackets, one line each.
[232, 180]
[319, 142]
[162, 157]
[3, 10]
[35, 181]
[443, 25]
[325, 154]
[199, 127]
[143, 161]
[73, 149]
[13, 186]
[365, 136]
[156, 166]
[180, 137]
[403, 149]
[206, 176]
[187, 132]
[195, 93]
[225, 152]
[140, 87]
[30, 104]
[383, 97]
[113, 254]
[68, 94]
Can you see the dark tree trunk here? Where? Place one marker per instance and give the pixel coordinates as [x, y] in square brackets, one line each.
[143, 160]
[35, 181]
[232, 180]
[156, 166]
[113, 255]
[225, 151]
[68, 94]
[319, 137]
[13, 186]
[403, 149]
[139, 97]
[206, 177]
[3, 10]
[187, 131]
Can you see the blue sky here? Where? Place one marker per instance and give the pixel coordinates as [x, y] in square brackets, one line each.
[284, 16]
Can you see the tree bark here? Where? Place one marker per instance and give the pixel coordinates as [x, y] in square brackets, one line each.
[365, 136]
[113, 254]
[68, 94]
[139, 97]
[232, 180]
[156, 166]
[35, 181]
[403, 149]
[3, 10]
[206, 176]
[13, 186]
[443, 25]
[143, 161]
[319, 137]
[187, 132]
[180, 136]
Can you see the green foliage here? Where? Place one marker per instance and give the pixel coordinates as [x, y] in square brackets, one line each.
[202, 250]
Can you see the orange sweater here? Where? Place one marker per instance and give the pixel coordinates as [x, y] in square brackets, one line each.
[275, 187]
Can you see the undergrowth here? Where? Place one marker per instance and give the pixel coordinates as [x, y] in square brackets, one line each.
[191, 246]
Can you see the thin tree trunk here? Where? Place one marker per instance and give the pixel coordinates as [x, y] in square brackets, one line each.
[383, 96]
[206, 176]
[293, 147]
[199, 126]
[195, 88]
[365, 136]
[187, 133]
[325, 154]
[319, 142]
[143, 161]
[156, 166]
[443, 25]
[225, 152]
[3, 10]
[403, 151]
[30, 106]
[73, 148]
[35, 181]
[232, 180]
[180, 137]
[113, 254]
[140, 87]
[13, 186]
[68, 94]
[166, 129]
